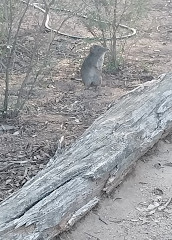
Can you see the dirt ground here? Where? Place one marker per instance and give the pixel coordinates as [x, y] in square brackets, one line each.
[60, 107]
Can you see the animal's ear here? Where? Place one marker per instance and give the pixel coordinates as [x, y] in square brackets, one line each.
[92, 49]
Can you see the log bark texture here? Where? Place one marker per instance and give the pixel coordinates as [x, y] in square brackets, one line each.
[73, 182]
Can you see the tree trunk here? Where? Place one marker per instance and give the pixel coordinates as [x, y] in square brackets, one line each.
[73, 182]
[114, 38]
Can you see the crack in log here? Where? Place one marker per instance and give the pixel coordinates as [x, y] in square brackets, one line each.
[44, 196]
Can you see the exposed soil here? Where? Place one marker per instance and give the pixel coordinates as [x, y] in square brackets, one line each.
[60, 108]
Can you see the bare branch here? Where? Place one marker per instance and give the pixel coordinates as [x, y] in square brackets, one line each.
[9, 59]
[20, 103]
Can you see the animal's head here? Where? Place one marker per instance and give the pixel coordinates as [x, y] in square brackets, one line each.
[98, 50]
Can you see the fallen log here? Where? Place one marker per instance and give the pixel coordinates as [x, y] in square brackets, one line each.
[97, 162]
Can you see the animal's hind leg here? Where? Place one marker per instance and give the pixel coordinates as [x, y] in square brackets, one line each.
[87, 86]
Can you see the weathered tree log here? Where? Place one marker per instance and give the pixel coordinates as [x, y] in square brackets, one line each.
[71, 185]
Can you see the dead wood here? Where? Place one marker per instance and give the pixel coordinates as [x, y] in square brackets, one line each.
[73, 182]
